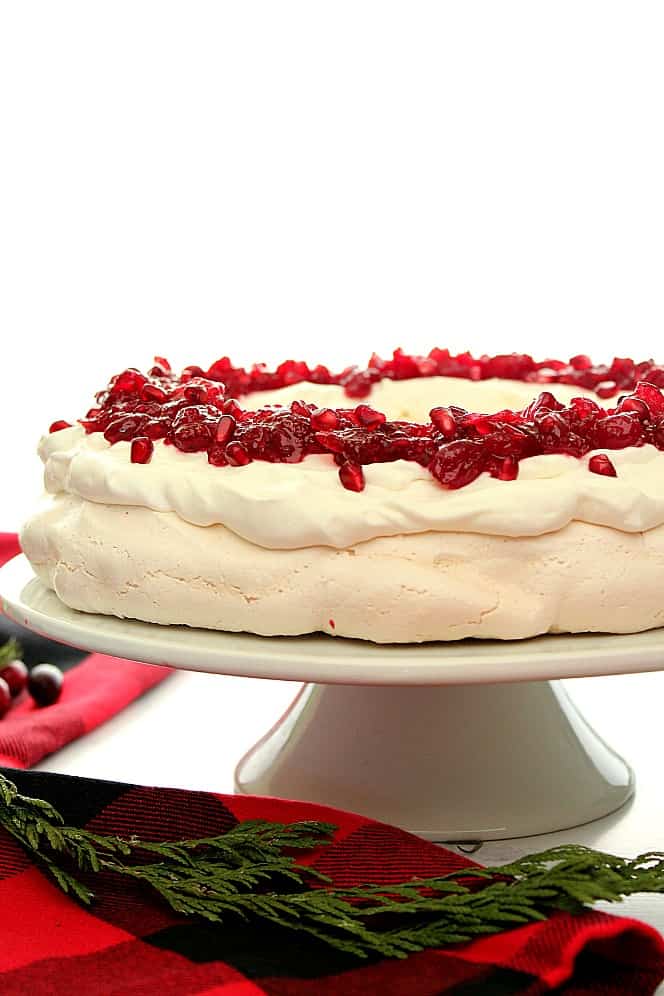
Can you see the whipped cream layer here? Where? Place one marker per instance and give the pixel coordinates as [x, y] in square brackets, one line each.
[290, 506]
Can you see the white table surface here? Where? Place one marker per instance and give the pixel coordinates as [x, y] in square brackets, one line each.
[190, 731]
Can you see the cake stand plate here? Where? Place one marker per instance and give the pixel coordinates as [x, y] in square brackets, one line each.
[452, 741]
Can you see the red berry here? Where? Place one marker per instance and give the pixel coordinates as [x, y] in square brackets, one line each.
[61, 424]
[352, 476]
[600, 464]
[15, 674]
[142, 449]
[369, 417]
[45, 684]
[237, 455]
[324, 418]
[459, 463]
[444, 422]
[606, 389]
[5, 697]
[150, 392]
[225, 429]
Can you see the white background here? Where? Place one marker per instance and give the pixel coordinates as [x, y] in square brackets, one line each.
[318, 180]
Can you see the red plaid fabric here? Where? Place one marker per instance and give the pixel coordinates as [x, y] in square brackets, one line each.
[129, 942]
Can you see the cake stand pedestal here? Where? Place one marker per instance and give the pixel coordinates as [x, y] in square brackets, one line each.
[454, 762]
[474, 740]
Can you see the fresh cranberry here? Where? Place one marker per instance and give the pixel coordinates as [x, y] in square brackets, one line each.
[617, 431]
[5, 697]
[45, 684]
[192, 437]
[124, 428]
[458, 463]
[16, 675]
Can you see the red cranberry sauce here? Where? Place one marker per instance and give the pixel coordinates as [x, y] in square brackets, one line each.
[195, 413]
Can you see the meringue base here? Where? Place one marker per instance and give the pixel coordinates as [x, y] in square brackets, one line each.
[136, 563]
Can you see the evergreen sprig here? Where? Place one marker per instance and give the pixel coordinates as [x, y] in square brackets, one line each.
[250, 873]
[10, 651]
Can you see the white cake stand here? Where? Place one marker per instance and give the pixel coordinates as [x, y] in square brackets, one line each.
[452, 741]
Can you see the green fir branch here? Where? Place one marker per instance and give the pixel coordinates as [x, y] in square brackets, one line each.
[250, 873]
[10, 651]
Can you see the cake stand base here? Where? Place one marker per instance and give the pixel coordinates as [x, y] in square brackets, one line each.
[450, 763]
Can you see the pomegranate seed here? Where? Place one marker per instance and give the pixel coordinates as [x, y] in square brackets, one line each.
[217, 456]
[15, 674]
[351, 476]
[509, 469]
[150, 392]
[585, 407]
[606, 389]
[653, 397]
[632, 404]
[600, 464]
[444, 422]
[231, 407]
[142, 449]
[324, 418]
[5, 697]
[369, 417]
[193, 371]
[128, 382]
[195, 393]
[581, 362]
[299, 408]
[161, 361]
[45, 684]
[61, 424]
[237, 455]
[225, 428]
[358, 386]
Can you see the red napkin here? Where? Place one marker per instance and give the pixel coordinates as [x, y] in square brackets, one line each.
[94, 690]
[129, 942]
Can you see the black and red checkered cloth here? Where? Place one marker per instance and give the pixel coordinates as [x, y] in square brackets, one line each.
[130, 944]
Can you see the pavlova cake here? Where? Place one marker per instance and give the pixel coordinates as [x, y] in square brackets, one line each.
[420, 498]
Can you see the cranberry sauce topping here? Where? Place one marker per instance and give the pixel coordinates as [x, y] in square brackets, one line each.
[194, 414]
[605, 379]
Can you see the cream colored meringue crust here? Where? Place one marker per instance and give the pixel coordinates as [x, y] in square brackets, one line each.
[136, 563]
[284, 548]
